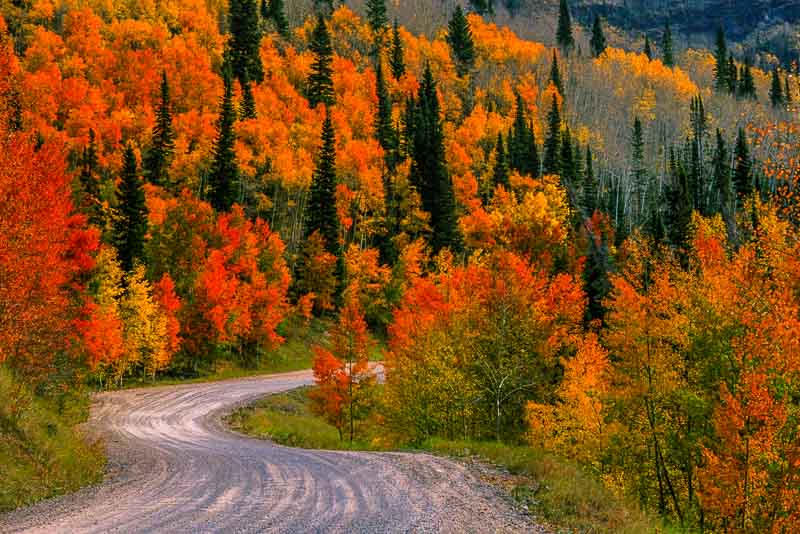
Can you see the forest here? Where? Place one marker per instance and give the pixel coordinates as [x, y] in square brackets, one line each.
[578, 248]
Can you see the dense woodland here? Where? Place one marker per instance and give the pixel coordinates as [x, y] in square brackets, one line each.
[594, 253]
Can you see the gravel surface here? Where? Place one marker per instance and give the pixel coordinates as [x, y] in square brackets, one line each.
[173, 467]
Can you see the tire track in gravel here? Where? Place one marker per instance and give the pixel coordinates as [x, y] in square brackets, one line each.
[173, 467]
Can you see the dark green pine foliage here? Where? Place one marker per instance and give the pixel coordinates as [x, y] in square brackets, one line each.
[319, 86]
[787, 92]
[130, 225]
[247, 107]
[637, 160]
[743, 165]
[245, 42]
[277, 14]
[90, 201]
[722, 178]
[595, 278]
[598, 40]
[428, 169]
[462, 47]
[500, 172]
[733, 76]
[666, 47]
[681, 213]
[577, 159]
[589, 196]
[555, 74]
[552, 143]
[696, 152]
[564, 36]
[648, 49]
[523, 155]
[567, 157]
[776, 90]
[396, 56]
[747, 86]
[385, 132]
[223, 186]
[721, 65]
[322, 215]
[376, 15]
[162, 145]
[483, 7]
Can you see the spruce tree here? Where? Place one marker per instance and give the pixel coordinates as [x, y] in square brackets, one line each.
[743, 170]
[722, 177]
[500, 172]
[555, 74]
[598, 41]
[564, 36]
[245, 41]
[552, 143]
[162, 145]
[396, 59]
[639, 170]
[90, 201]
[589, 196]
[319, 86]
[776, 90]
[733, 76]
[277, 13]
[462, 47]
[247, 107]
[595, 279]
[130, 225]
[523, 155]
[428, 168]
[385, 132]
[376, 15]
[681, 216]
[721, 71]
[747, 87]
[567, 159]
[224, 176]
[648, 50]
[787, 92]
[322, 215]
[666, 47]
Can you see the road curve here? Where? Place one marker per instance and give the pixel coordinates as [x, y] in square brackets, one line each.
[173, 467]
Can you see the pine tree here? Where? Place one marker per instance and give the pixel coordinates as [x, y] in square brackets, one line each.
[776, 90]
[787, 92]
[428, 168]
[747, 87]
[130, 225]
[595, 279]
[567, 159]
[552, 143]
[721, 71]
[245, 42]
[90, 201]
[564, 36]
[376, 15]
[733, 76]
[322, 216]
[648, 50]
[666, 47]
[500, 172]
[396, 60]
[743, 170]
[247, 108]
[639, 170]
[277, 13]
[319, 86]
[681, 216]
[384, 127]
[462, 47]
[598, 41]
[162, 145]
[224, 177]
[589, 196]
[722, 177]
[523, 155]
[555, 74]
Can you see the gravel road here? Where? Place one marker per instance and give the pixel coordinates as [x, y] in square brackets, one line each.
[173, 467]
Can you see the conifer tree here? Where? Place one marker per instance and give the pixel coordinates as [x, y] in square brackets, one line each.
[162, 145]
[245, 42]
[639, 171]
[319, 86]
[384, 127]
[130, 225]
[577, 159]
[322, 216]
[743, 170]
[589, 196]
[721, 71]
[500, 172]
[555, 74]
[567, 157]
[428, 168]
[376, 15]
[247, 107]
[564, 36]
[648, 50]
[681, 216]
[666, 47]
[595, 279]
[277, 14]
[598, 41]
[523, 155]
[90, 201]
[776, 90]
[396, 59]
[787, 92]
[722, 177]
[224, 176]
[552, 143]
[747, 87]
[462, 47]
[733, 76]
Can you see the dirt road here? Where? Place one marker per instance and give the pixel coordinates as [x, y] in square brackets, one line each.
[173, 467]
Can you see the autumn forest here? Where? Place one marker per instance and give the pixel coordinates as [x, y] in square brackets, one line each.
[565, 246]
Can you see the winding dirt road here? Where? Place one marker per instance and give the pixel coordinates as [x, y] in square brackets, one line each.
[173, 467]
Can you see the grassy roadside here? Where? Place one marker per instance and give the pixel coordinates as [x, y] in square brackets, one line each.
[560, 492]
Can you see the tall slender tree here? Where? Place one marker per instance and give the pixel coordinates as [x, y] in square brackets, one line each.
[462, 47]
[722, 178]
[564, 36]
[567, 159]
[747, 86]
[385, 132]
[589, 185]
[666, 47]
[396, 59]
[162, 144]
[319, 86]
[598, 40]
[648, 49]
[733, 76]
[555, 74]
[639, 170]
[743, 167]
[552, 143]
[523, 155]
[247, 107]
[721, 64]
[277, 14]
[500, 172]
[322, 216]
[787, 91]
[223, 186]
[376, 15]
[245, 42]
[776, 90]
[90, 202]
[130, 225]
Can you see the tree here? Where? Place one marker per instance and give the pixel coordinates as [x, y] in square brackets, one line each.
[723, 181]
[462, 47]
[648, 51]
[130, 225]
[598, 41]
[552, 143]
[721, 70]
[384, 123]
[322, 216]
[224, 176]
[523, 155]
[245, 42]
[247, 107]
[555, 74]
[733, 76]
[589, 186]
[500, 171]
[319, 86]
[776, 90]
[787, 92]
[162, 144]
[564, 36]
[396, 60]
[567, 159]
[277, 13]
[90, 201]
[742, 174]
[376, 15]
[639, 170]
[747, 87]
[666, 47]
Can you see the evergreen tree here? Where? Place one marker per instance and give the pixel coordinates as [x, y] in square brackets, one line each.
[90, 201]
[595, 279]
[224, 177]
[598, 41]
[567, 158]
[722, 177]
[162, 145]
[245, 42]
[776, 90]
[787, 92]
[319, 86]
[277, 14]
[322, 215]
[743, 171]
[733, 76]
[396, 59]
[564, 36]
[462, 47]
[247, 108]
[523, 155]
[428, 168]
[639, 170]
[721, 71]
[747, 87]
[666, 47]
[130, 225]
[555, 74]
[552, 143]
[589, 196]
[681, 216]
[500, 172]
[648, 50]
[385, 133]
[376, 15]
